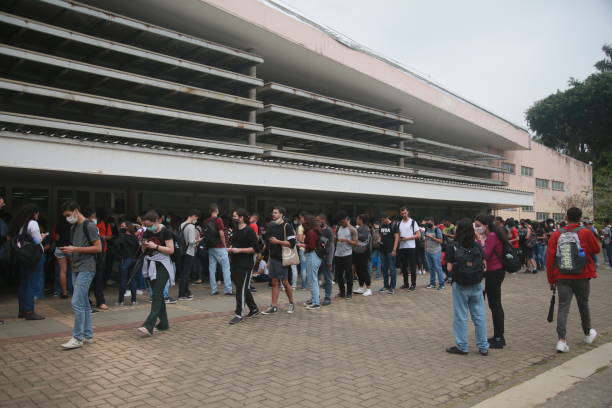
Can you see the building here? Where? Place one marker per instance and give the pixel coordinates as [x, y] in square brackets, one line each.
[172, 105]
[550, 175]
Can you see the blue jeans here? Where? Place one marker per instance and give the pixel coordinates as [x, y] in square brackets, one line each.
[219, 255]
[303, 269]
[29, 284]
[375, 262]
[540, 255]
[608, 251]
[469, 298]
[434, 261]
[39, 291]
[125, 271]
[389, 270]
[313, 262]
[327, 275]
[80, 305]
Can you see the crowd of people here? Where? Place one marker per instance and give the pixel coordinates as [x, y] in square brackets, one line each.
[147, 254]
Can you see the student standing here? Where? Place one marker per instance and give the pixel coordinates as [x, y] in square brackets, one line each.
[409, 231]
[346, 239]
[244, 245]
[389, 237]
[191, 238]
[86, 244]
[361, 256]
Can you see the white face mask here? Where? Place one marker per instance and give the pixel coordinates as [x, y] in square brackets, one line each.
[95, 221]
[480, 230]
[72, 219]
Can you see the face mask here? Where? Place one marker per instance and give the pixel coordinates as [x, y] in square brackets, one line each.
[428, 225]
[479, 230]
[95, 221]
[72, 219]
[152, 228]
[235, 222]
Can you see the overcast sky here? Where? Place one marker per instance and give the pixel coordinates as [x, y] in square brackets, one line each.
[501, 55]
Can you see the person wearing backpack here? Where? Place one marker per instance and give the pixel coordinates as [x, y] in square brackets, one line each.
[607, 240]
[127, 249]
[361, 256]
[86, 243]
[494, 239]
[214, 236]
[189, 238]
[570, 268]
[409, 233]
[312, 253]
[25, 240]
[465, 262]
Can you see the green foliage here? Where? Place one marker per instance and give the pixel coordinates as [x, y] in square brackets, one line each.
[578, 122]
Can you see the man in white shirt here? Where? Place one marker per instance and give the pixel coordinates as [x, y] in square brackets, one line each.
[409, 231]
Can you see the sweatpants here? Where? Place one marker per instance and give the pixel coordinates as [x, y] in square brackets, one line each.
[407, 257]
[344, 272]
[158, 304]
[493, 282]
[566, 289]
[361, 267]
[241, 276]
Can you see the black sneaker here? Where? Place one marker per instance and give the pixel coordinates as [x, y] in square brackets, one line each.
[183, 298]
[214, 294]
[455, 350]
[382, 290]
[236, 319]
[340, 294]
[326, 302]
[404, 287]
[412, 288]
[497, 343]
[348, 297]
[484, 352]
[253, 289]
[270, 310]
[391, 291]
[253, 313]
[313, 307]
[308, 303]
[170, 301]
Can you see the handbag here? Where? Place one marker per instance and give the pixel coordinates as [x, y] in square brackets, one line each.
[290, 255]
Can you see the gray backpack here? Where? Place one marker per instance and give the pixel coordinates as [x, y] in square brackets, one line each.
[571, 258]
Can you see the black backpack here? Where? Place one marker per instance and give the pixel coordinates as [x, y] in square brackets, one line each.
[468, 267]
[510, 258]
[25, 250]
[211, 234]
[180, 247]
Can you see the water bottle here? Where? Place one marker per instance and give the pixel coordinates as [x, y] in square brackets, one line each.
[581, 253]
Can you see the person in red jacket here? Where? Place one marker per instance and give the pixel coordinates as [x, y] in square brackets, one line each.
[576, 284]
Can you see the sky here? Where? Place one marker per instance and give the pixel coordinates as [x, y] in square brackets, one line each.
[501, 55]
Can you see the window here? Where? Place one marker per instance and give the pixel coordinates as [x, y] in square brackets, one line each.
[527, 208]
[508, 168]
[542, 183]
[527, 171]
[541, 216]
[558, 185]
[509, 209]
[558, 217]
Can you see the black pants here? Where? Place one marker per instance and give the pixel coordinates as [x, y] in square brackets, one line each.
[361, 266]
[158, 304]
[184, 275]
[493, 282]
[344, 272]
[99, 282]
[241, 276]
[407, 257]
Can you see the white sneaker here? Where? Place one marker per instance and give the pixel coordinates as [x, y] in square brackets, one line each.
[367, 293]
[139, 292]
[72, 344]
[562, 347]
[591, 337]
[88, 341]
[128, 293]
[359, 290]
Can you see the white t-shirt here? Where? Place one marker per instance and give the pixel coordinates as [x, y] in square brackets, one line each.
[408, 229]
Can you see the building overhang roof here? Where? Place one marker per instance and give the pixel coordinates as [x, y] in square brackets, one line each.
[300, 55]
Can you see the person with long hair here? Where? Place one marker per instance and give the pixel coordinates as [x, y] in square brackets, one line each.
[312, 232]
[361, 256]
[463, 257]
[494, 238]
[25, 222]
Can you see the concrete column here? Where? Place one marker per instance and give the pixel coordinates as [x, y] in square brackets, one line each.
[400, 128]
[253, 113]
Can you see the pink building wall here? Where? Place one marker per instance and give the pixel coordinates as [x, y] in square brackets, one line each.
[550, 165]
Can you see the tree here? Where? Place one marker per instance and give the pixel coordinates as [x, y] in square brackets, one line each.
[578, 122]
[583, 200]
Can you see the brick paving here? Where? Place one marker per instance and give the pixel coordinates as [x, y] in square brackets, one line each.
[385, 351]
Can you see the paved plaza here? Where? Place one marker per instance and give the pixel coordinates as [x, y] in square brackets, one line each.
[383, 351]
